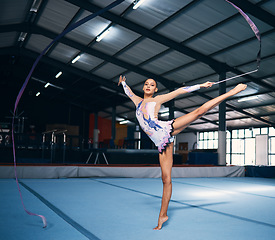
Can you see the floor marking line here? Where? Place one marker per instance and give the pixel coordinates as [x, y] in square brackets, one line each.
[190, 205]
[61, 214]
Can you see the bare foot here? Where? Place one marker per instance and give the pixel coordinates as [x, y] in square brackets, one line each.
[240, 87]
[160, 222]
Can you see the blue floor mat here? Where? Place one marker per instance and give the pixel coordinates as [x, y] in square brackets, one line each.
[128, 208]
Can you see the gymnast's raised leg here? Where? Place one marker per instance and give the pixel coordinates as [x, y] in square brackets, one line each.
[184, 121]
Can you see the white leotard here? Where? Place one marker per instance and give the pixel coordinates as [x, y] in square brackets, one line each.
[158, 131]
[147, 111]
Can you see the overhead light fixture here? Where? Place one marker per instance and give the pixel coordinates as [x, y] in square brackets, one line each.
[137, 3]
[22, 37]
[164, 114]
[248, 98]
[58, 74]
[103, 34]
[35, 5]
[47, 84]
[76, 59]
[124, 122]
[41, 81]
[37, 94]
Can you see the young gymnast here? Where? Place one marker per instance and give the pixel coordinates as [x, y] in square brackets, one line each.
[162, 132]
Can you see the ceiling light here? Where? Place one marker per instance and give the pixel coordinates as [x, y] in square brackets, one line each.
[124, 122]
[102, 35]
[41, 81]
[76, 59]
[22, 37]
[58, 74]
[47, 84]
[248, 98]
[37, 94]
[164, 114]
[137, 3]
[35, 5]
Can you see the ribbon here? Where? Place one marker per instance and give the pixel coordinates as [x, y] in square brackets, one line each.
[67, 30]
[254, 29]
[258, 36]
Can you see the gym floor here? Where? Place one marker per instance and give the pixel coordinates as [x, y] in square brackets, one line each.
[127, 208]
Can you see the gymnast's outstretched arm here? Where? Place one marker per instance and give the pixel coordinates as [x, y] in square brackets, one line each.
[128, 90]
[169, 96]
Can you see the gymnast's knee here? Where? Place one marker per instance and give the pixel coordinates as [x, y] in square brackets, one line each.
[200, 112]
[166, 179]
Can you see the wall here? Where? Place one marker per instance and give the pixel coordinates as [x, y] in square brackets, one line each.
[191, 138]
[104, 126]
[121, 131]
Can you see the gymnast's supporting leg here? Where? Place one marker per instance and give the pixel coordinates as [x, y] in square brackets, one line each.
[166, 163]
[182, 122]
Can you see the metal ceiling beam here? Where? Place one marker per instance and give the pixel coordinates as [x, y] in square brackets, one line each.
[244, 108]
[39, 30]
[72, 21]
[251, 79]
[242, 111]
[233, 85]
[103, 81]
[255, 11]
[64, 67]
[217, 66]
[17, 27]
[258, 115]
[167, 83]
[167, 20]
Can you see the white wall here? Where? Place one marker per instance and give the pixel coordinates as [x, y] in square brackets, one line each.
[191, 138]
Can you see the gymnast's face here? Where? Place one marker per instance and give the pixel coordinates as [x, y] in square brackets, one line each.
[150, 87]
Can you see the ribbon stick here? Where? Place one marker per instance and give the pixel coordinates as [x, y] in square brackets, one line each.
[67, 30]
[256, 70]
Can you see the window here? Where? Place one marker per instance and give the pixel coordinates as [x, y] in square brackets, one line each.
[208, 140]
[256, 131]
[272, 151]
[264, 130]
[272, 160]
[248, 132]
[250, 151]
[272, 132]
[237, 159]
[240, 144]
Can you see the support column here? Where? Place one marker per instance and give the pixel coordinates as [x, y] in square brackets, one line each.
[96, 132]
[171, 109]
[222, 124]
[114, 122]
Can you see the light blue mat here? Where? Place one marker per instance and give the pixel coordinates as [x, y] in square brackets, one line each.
[128, 208]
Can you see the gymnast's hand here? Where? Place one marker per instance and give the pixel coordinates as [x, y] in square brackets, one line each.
[206, 85]
[121, 79]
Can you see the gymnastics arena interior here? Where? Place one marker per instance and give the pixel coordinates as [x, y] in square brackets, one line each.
[74, 162]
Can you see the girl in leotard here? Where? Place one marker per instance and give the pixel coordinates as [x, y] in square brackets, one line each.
[162, 132]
